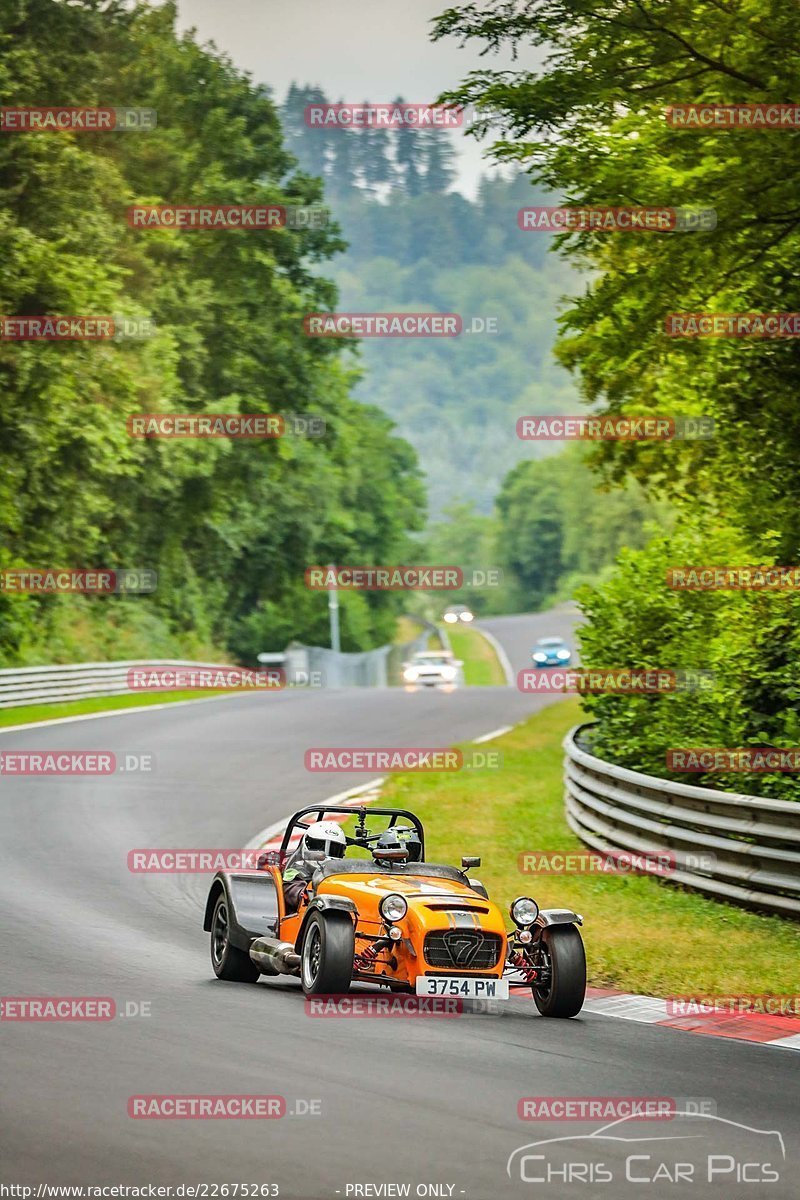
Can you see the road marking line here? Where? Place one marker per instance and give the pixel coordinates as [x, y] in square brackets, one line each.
[508, 670]
[496, 733]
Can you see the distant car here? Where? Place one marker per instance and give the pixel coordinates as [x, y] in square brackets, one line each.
[431, 668]
[551, 652]
[458, 612]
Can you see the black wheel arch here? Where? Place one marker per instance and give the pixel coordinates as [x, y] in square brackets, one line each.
[252, 905]
[339, 904]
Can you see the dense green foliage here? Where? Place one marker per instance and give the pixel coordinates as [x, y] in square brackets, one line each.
[552, 529]
[229, 526]
[591, 124]
[415, 245]
[749, 640]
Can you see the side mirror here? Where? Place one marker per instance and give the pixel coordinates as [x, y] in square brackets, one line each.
[468, 861]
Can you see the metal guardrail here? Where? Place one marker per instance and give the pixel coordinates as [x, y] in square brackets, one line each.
[744, 849]
[366, 668]
[303, 665]
[20, 686]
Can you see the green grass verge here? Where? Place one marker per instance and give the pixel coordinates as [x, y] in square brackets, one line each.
[642, 934]
[481, 665]
[76, 708]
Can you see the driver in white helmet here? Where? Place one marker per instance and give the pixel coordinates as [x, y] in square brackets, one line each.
[322, 838]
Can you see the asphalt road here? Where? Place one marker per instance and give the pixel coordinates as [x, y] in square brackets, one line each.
[418, 1102]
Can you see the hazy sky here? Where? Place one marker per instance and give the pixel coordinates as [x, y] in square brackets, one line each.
[353, 49]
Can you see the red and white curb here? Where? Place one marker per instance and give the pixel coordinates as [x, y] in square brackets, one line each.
[771, 1030]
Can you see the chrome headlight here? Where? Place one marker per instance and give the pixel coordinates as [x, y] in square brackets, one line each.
[524, 911]
[393, 908]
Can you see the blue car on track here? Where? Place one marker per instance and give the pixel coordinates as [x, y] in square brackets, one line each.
[551, 652]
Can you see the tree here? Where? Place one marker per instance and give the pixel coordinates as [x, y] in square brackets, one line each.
[408, 157]
[591, 125]
[440, 158]
[228, 526]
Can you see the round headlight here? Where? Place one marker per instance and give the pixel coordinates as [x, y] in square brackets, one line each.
[538, 656]
[393, 908]
[467, 616]
[449, 673]
[562, 654]
[450, 617]
[410, 674]
[524, 911]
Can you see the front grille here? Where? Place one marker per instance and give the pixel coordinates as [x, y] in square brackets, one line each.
[467, 949]
[457, 906]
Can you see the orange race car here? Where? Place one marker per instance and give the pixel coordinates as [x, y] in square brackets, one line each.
[386, 917]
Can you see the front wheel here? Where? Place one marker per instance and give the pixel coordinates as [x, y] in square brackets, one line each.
[326, 965]
[561, 949]
[228, 962]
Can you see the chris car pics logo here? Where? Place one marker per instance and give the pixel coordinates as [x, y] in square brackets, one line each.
[693, 1147]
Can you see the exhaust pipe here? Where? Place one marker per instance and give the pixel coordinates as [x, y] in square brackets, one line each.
[275, 958]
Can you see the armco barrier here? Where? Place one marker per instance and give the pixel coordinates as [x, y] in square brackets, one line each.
[82, 681]
[744, 849]
[20, 686]
[367, 668]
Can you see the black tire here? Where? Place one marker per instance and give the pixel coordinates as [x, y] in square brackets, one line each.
[326, 961]
[563, 947]
[228, 962]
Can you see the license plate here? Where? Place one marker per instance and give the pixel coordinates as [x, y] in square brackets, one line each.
[466, 987]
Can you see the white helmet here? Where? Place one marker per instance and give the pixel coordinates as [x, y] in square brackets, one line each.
[326, 836]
